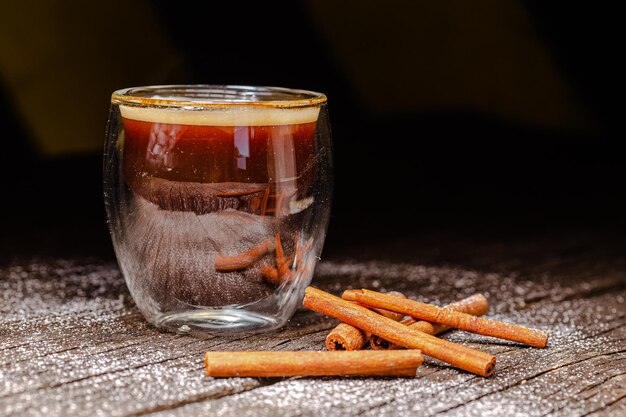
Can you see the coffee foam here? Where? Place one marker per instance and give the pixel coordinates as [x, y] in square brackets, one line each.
[223, 116]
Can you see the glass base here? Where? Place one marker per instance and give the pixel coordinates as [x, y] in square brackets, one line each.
[216, 321]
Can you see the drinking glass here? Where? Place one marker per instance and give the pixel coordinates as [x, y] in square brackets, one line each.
[218, 199]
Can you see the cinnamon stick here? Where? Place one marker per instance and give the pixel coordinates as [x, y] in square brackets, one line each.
[277, 275]
[302, 363]
[346, 337]
[271, 275]
[463, 321]
[476, 305]
[457, 355]
[243, 260]
[280, 253]
[391, 314]
[283, 272]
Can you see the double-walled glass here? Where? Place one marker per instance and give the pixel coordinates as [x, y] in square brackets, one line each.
[218, 200]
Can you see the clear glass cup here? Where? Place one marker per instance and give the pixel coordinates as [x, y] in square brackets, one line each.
[218, 199]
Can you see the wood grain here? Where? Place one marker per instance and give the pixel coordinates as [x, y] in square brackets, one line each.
[72, 343]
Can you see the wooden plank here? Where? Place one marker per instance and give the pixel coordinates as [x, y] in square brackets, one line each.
[72, 342]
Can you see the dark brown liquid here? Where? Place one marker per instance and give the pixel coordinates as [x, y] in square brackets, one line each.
[208, 168]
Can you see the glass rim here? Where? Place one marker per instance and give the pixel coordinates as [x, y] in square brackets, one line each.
[204, 96]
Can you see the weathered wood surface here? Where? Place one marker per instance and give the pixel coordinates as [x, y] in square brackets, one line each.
[72, 342]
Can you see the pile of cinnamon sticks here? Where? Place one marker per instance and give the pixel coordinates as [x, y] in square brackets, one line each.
[387, 323]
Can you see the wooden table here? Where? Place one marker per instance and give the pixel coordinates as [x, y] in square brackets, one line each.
[73, 343]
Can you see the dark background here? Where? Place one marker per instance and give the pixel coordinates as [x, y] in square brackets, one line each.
[495, 121]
